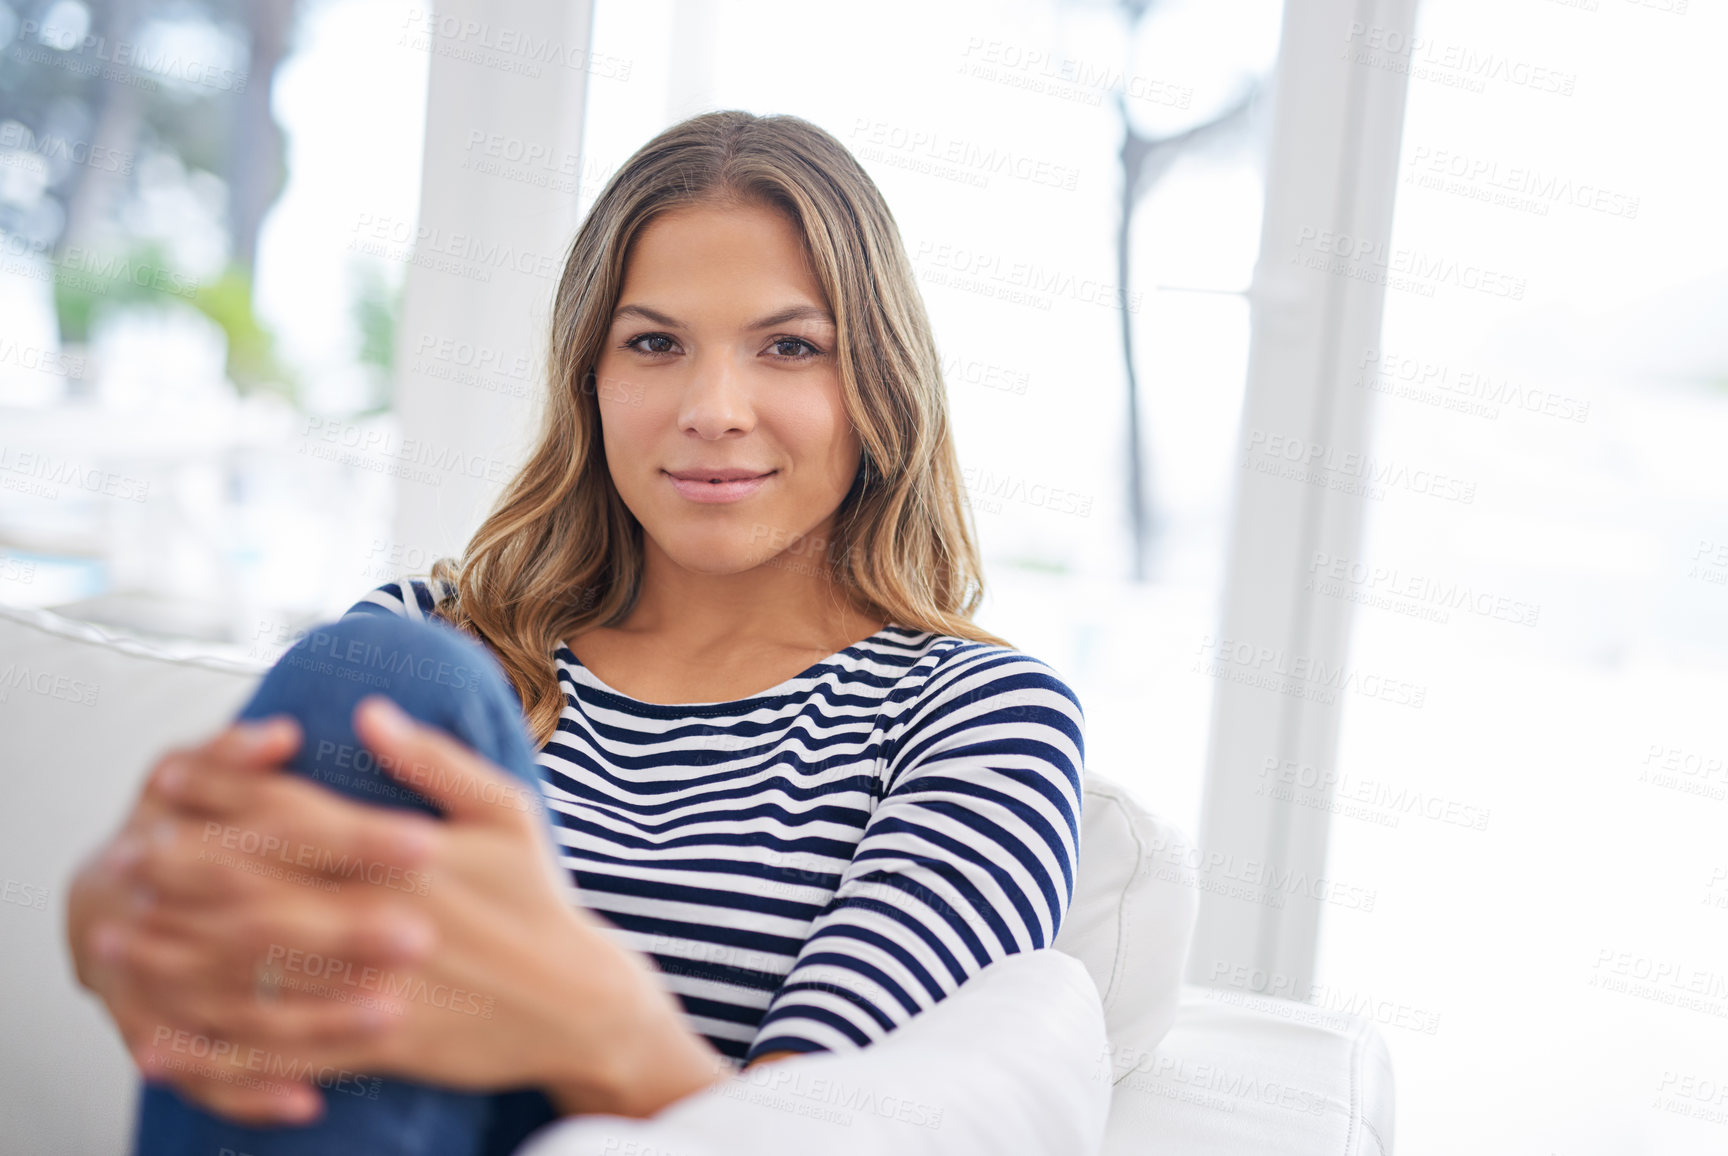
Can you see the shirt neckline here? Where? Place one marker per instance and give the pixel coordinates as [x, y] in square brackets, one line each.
[778, 689]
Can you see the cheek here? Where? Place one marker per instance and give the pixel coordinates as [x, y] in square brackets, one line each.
[824, 438]
[630, 426]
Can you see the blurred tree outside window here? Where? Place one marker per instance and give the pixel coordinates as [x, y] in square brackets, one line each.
[154, 419]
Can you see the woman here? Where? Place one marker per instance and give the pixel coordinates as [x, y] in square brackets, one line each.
[731, 591]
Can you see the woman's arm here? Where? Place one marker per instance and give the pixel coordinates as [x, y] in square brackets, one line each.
[578, 1013]
[771, 1057]
[969, 855]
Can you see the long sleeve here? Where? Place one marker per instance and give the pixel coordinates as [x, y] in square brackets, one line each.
[968, 856]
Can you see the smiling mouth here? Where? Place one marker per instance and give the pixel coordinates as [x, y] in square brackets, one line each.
[717, 477]
[708, 487]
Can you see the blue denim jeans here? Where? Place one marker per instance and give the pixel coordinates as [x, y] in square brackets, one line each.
[442, 677]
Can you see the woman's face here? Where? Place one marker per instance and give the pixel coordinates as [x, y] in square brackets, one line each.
[719, 390]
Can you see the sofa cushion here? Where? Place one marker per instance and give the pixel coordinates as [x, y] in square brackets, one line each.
[83, 715]
[1132, 914]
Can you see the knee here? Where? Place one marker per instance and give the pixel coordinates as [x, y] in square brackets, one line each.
[430, 669]
[393, 655]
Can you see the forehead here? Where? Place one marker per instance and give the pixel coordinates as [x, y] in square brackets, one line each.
[734, 257]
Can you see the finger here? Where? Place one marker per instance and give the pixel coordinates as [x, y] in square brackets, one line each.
[324, 1024]
[183, 866]
[258, 1104]
[462, 783]
[205, 784]
[295, 827]
[165, 982]
[199, 861]
[201, 786]
[330, 1024]
[255, 743]
[295, 999]
[249, 745]
[218, 949]
[176, 860]
[348, 839]
[227, 1088]
[214, 776]
[350, 947]
[163, 966]
[163, 1050]
[252, 744]
[189, 866]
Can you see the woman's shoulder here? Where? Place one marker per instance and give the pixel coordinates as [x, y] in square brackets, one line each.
[412, 596]
[953, 673]
[1006, 714]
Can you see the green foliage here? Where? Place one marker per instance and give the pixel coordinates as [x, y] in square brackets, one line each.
[376, 306]
[252, 362]
[1039, 565]
[88, 288]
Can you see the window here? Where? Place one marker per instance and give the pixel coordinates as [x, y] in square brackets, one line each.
[1543, 836]
[181, 187]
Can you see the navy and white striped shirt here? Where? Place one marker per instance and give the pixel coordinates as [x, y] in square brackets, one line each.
[811, 866]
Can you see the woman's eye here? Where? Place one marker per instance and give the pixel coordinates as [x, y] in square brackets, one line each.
[794, 348]
[652, 343]
[783, 348]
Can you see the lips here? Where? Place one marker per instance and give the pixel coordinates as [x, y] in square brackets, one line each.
[730, 474]
[710, 486]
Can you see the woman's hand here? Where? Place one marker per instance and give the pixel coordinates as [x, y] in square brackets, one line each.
[110, 906]
[446, 951]
[552, 999]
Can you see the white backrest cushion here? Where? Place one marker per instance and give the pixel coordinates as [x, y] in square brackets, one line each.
[1132, 917]
[83, 715]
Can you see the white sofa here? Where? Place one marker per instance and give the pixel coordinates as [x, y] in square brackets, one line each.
[1091, 1046]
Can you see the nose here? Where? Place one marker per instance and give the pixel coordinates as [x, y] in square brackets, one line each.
[716, 402]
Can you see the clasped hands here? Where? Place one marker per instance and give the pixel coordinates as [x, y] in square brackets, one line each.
[256, 936]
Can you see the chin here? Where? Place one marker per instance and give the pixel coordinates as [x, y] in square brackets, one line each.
[715, 550]
[718, 563]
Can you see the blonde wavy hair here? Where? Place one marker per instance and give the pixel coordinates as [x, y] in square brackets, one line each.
[560, 553]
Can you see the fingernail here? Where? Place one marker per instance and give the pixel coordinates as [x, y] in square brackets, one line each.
[412, 838]
[106, 941]
[172, 778]
[410, 937]
[299, 1104]
[256, 735]
[390, 718]
[372, 1020]
[124, 854]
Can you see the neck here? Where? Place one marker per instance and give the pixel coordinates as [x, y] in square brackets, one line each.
[790, 599]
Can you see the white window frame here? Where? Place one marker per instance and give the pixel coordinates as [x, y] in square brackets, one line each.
[1332, 167]
[507, 314]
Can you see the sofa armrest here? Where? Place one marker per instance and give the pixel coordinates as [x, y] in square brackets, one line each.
[1247, 1073]
[1009, 1064]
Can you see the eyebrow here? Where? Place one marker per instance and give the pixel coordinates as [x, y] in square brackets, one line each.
[780, 317]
